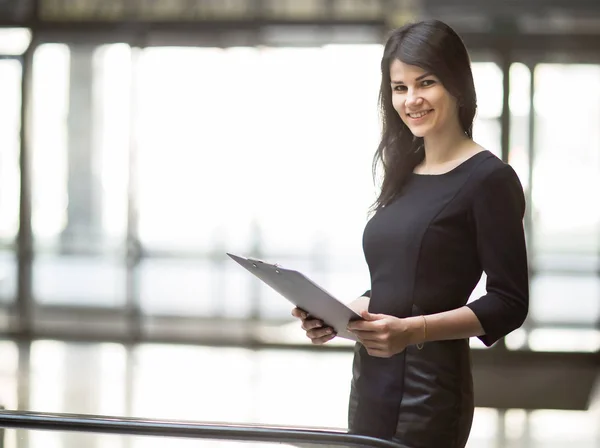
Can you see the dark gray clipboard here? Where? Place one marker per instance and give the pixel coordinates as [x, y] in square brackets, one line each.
[303, 293]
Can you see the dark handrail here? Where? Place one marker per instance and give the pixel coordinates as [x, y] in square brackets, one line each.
[164, 428]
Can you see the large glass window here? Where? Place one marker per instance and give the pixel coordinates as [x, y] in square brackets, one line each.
[488, 86]
[80, 172]
[519, 105]
[258, 151]
[567, 160]
[10, 124]
[565, 185]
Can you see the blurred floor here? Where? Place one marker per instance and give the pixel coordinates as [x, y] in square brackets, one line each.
[279, 387]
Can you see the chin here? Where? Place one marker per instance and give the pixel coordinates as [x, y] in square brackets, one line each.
[422, 133]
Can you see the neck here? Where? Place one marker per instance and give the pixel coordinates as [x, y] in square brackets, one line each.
[443, 147]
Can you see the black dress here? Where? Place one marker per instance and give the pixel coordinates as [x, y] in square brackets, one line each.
[426, 252]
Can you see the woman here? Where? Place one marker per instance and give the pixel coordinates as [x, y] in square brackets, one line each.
[447, 211]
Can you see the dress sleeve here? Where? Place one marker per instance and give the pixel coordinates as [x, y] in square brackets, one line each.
[498, 210]
[366, 294]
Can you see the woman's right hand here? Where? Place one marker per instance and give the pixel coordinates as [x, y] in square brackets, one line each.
[315, 329]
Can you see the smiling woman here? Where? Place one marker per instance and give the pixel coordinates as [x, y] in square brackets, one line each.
[448, 210]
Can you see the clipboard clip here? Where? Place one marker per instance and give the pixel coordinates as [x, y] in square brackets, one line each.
[255, 261]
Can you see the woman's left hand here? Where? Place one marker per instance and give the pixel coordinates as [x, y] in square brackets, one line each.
[383, 336]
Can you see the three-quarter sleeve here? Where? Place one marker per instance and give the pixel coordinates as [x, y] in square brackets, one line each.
[498, 210]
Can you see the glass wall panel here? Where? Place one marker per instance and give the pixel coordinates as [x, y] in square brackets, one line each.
[566, 172]
[195, 287]
[519, 104]
[49, 140]
[9, 374]
[488, 86]
[80, 280]
[10, 124]
[552, 298]
[565, 185]
[81, 99]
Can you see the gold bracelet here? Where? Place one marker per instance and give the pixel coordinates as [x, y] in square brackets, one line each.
[420, 346]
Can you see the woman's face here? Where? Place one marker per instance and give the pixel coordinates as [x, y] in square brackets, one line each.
[422, 102]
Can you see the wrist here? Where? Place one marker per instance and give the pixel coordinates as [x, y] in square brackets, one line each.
[417, 330]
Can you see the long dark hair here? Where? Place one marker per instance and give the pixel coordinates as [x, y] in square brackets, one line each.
[438, 49]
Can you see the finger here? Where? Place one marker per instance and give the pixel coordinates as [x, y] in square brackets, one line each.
[370, 337]
[365, 325]
[324, 339]
[371, 316]
[320, 332]
[311, 324]
[299, 313]
[362, 326]
[371, 343]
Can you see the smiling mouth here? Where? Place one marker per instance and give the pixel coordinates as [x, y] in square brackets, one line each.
[419, 114]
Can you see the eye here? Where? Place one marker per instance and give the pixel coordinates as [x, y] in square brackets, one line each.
[399, 88]
[428, 82]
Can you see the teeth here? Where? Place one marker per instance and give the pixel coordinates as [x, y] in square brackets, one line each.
[418, 114]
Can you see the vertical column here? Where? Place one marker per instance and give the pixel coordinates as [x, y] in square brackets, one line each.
[504, 27]
[530, 155]
[529, 221]
[24, 300]
[84, 189]
[134, 248]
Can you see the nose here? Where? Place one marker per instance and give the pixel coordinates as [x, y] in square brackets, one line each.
[413, 99]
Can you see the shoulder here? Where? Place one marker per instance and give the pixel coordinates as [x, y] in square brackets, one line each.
[492, 170]
[493, 180]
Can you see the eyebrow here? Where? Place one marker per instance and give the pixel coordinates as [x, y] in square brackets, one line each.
[418, 78]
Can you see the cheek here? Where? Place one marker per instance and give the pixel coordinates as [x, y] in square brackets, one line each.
[398, 104]
[446, 103]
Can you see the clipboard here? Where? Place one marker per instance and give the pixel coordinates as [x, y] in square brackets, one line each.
[303, 293]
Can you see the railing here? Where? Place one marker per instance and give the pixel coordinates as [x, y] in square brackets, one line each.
[183, 429]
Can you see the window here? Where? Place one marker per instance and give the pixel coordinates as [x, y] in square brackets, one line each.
[10, 124]
[80, 156]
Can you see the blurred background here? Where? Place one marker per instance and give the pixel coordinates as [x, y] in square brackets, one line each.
[140, 140]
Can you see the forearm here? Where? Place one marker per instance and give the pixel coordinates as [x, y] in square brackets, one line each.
[360, 304]
[460, 323]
